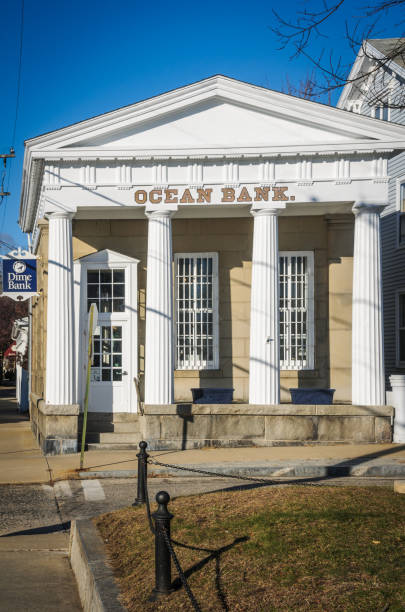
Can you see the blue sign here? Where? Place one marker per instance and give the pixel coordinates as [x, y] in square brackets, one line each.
[19, 275]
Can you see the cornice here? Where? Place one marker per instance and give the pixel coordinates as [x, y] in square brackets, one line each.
[249, 153]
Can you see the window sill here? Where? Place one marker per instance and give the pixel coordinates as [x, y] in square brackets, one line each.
[214, 373]
[295, 373]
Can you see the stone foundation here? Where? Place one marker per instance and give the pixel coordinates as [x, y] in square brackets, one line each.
[187, 426]
[55, 427]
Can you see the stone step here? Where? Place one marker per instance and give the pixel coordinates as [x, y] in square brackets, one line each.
[113, 428]
[93, 446]
[113, 437]
[113, 417]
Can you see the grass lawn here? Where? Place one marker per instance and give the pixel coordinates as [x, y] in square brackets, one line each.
[290, 548]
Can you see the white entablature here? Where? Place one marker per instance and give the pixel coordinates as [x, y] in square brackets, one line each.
[215, 133]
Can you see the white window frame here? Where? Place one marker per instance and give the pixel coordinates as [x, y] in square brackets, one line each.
[354, 106]
[400, 364]
[215, 310]
[382, 106]
[310, 311]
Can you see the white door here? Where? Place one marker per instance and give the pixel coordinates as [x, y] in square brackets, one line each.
[109, 280]
[110, 380]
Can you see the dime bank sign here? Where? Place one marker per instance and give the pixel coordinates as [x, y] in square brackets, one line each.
[19, 275]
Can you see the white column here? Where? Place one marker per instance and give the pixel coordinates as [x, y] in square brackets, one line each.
[264, 370]
[159, 310]
[60, 331]
[368, 383]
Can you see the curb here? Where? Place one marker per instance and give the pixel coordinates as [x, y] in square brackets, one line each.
[95, 580]
[275, 470]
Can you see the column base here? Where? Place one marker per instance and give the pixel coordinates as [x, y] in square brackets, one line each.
[55, 426]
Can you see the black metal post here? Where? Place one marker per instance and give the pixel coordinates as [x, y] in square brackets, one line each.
[163, 568]
[142, 474]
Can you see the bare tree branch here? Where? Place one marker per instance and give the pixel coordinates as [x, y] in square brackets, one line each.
[329, 71]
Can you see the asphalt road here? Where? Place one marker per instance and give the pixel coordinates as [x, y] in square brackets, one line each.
[27, 507]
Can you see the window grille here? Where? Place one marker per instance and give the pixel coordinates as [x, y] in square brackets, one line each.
[107, 354]
[106, 288]
[196, 311]
[296, 311]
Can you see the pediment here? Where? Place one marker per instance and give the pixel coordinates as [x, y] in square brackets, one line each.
[106, 257]
[219, 124]
[219, 113]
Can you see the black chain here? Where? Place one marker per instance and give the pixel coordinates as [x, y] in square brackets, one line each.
[207, 473]
[166, 536]
[169, 544]
[180, 572]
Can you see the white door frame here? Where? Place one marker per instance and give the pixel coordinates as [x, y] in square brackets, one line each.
[108, 260]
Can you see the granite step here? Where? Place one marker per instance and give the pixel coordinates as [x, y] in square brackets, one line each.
[94, 446]
[113, 437]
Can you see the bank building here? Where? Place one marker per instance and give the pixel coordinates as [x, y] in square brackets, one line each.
[230, 238]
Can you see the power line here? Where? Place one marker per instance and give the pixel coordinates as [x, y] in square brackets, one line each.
[3, 243]
[17, 105]
[19, 73]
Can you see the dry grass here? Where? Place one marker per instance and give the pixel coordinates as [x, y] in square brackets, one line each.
[294, 548]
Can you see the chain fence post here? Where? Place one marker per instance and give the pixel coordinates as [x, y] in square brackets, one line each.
[163, 569]
[142, 474]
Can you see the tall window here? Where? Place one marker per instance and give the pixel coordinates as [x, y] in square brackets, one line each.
[196, 311]
[382, 111]
[401, 218]
[296, 310]
[401, 328]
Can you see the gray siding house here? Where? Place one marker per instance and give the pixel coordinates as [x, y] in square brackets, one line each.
[381, 94]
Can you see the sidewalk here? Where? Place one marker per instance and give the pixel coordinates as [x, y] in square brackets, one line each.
[35, 572]
[21, 461]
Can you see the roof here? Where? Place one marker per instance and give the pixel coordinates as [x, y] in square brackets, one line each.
[218, 117]
[394, 48]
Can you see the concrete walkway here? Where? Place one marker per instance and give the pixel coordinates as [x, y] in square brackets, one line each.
[35, 572]
[21, 461]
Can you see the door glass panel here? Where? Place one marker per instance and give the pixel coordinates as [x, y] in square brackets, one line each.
[107, 354]
[106, 288]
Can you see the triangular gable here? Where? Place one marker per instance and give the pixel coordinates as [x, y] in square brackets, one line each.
[106, 257]
[218, 112]
[361, 65]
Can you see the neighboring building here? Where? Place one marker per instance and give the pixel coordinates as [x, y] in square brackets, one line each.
[218, 228]
[20, 334]
[381, 94]
[9, 359]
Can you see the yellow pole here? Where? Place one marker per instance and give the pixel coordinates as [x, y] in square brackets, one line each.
[86, 395]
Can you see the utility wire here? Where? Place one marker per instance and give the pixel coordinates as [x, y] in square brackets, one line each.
[16, 112]
[3, 243]
[19, 73]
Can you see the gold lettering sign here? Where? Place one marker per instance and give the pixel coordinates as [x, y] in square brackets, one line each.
[243, 194]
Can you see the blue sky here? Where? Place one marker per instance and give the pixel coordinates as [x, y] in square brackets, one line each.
[85, 57]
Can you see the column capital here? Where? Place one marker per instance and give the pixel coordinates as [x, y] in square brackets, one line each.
[161, 212]
[60, 214]
[261, 210]
[368, 207]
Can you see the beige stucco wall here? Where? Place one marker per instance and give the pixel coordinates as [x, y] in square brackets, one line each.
[39, 312]
[332, 243]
